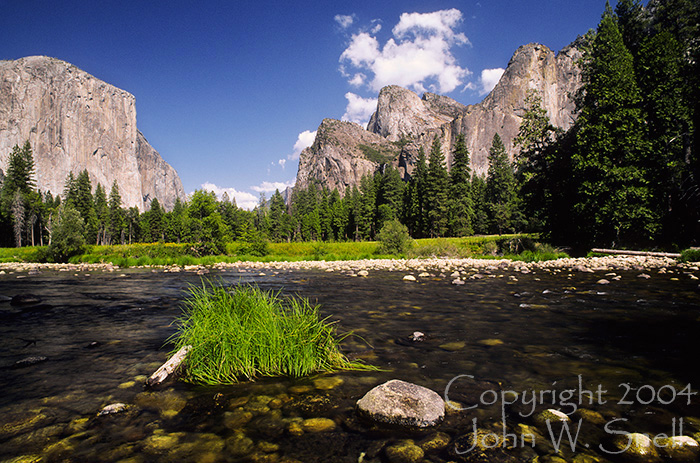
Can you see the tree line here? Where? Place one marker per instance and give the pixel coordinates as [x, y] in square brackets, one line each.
[626, 173]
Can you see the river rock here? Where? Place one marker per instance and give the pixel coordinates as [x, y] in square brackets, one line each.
[29, 361]
[404, 452]
[638, 447]
[401, 403]
[679, 448]
[25, 299]
[318, 425]
[409, 278]
[113, 408]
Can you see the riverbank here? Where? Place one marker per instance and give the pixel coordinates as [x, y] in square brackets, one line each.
[418, 268]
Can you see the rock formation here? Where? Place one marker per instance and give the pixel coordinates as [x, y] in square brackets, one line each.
[341, 154]
[75, 121]
[404, 122]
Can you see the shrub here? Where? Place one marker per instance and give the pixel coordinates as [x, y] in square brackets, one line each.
[67, 237]
[246, 333]
[393, 238]
[690, 255]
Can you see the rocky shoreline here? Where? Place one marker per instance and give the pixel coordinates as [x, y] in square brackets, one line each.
[455, 268]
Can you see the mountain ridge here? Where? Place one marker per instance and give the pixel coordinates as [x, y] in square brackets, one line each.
[75, 121]
[411, 122]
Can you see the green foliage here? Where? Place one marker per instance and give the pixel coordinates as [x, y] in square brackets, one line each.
[461, 204]
[378, 153]
[253, 243]
[500, 194]
[610, 150]
[690, 255]
[436, 192]
[66, 240]
[394, 238]
[245, 333]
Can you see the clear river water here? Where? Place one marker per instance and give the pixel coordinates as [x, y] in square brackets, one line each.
[626, 353]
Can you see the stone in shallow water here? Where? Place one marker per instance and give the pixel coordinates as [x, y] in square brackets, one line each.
[409, 278]
[400, 403]
[113, 408]
[679, 448]
[327, 383]
[491, 342]
[453, 346]
[404, 452]
[637, 447]
[318, 425]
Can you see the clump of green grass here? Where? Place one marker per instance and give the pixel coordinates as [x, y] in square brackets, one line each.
[244, 333]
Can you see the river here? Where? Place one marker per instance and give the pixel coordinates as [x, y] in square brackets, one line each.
[627, 352]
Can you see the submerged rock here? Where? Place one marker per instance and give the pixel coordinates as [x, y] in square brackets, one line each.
[29, 361]
[112, 409]
[679, 448]
[405, 451]
[25, 299]
[400, 403]
[638, 447]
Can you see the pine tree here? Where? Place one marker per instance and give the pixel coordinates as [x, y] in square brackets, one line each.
[500, 187]
[115, 216]
[101, 212]
[415, 201]
[536, 161]
[436, 191]
[461, 205]
[390, 190]
[613, 197]
[481, 211]
[17, 187]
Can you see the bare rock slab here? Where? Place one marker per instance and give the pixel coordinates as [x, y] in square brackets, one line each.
[401, 403]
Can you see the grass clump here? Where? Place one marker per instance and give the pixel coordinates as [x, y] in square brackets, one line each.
[244, 333]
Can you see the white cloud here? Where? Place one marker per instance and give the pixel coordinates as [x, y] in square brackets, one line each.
[304, 140]
[244, 199]
[270, 187]
[418, 56]
[489, 79]
[359, 109]
[344, 20]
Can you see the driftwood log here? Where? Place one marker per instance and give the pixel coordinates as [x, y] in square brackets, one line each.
[168, 368]
[672, 255]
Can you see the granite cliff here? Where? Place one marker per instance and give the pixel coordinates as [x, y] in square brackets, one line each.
[75, 121]
[405, 122]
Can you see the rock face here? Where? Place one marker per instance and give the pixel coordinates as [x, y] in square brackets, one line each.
[404, 122]
[75, 121]
[400, 403]
[341, 154]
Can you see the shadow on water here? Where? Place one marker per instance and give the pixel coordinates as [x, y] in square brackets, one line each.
[100, 336]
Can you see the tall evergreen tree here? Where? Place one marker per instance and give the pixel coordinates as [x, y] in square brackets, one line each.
[461, 205]
[481, 209]
[500, 187]
[115, 216]
[415, 201]
[17, 188]
[436, 190]
[536, 161]
[613, 197]
[101, 212]
[390, 190]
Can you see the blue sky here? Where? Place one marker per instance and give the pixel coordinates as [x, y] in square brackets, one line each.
[226, 90]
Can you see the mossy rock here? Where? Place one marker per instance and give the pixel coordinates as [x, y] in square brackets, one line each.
[435, 442]
[637, 447]
[679, 448]
[318, 425]
[405, 451]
